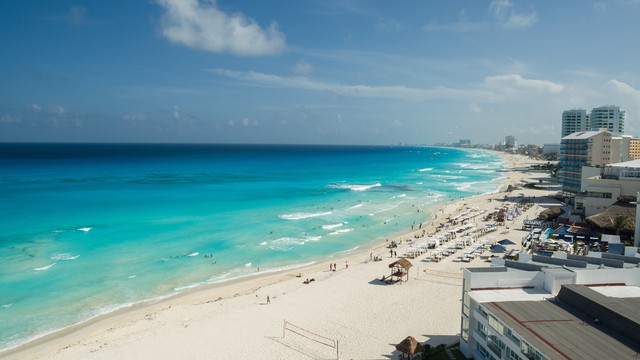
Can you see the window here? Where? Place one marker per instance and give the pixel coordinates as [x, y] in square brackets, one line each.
[465, 329]
[496, 325]
[495, 344]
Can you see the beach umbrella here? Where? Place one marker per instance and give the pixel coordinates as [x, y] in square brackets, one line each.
[498, 249]
[506, 242]
[409, 346]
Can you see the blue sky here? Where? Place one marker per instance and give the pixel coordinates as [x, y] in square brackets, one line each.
[322, 72]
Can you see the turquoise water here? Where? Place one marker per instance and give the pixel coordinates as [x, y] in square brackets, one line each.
[87, 229]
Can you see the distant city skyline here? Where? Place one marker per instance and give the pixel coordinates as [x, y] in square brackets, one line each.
[312, 72]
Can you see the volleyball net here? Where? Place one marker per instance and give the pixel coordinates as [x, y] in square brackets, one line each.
[311, 336]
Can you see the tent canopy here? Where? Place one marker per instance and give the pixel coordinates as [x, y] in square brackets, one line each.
[498, 249]
[506, 242]
[409, 346]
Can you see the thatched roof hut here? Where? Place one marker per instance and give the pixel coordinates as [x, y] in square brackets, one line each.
[619, 217]
[409, 346]
[400, 269]
[551, 213]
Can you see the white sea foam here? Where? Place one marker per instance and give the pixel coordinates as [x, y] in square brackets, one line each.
[355, 187]
[356, 206]
[247, 264]
[192, 254]
[64, 256]
[419, 183]
[263, 243]
[287, 243]
[341, 231]
[6, 305]
[85, 229]
[332, 226]
[350, 250]
[299, 216]
[131, 276]
[425, 169]
[44, 267]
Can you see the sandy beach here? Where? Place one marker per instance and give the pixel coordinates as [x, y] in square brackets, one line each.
[349, 307]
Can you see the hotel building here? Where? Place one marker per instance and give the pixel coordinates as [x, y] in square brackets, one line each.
[578, 307]
[574, 121]
[608, 117]
[586, 148]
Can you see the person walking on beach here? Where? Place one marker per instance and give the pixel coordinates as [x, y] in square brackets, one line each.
[268, 300]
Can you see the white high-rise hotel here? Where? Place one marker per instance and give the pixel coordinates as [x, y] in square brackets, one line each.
[574, 121]
[609, 117]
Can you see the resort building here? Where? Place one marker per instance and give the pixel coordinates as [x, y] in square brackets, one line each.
[609, 117]
[510, 142]
[586, 148]
[578, 307]
[634, 148]
[601, 191]
[573, 121]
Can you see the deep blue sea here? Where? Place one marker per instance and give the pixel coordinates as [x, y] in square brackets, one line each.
[86, 229]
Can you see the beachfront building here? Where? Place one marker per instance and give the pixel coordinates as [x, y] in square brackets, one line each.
[575, 120]
[539, 307]
[601, 191]
[634, 148]
[510, 142]
[585, 148]
[609, 117]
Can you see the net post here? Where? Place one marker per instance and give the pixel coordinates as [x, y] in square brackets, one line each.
[284, 328]
[337, 349]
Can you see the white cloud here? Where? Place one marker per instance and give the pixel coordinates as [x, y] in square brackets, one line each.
[507, 16]
[398, 92]
[176, 112]
[57, 110]
[77, 15]
[625, 88]
[474, 107]
[201, 25]
[463, 25]
[135, 117]
[8, 119]
[388, 26]
[517, 82]
[302, 68]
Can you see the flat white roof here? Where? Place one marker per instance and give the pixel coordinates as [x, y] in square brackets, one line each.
[497, 295]
[618, 291]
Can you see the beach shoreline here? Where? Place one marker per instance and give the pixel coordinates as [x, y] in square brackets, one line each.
[106, 335]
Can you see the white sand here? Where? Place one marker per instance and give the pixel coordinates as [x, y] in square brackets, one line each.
[366, 316]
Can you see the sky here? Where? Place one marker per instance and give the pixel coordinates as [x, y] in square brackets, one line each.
[312, 71]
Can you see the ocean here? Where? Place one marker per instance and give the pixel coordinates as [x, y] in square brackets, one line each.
[87, 229]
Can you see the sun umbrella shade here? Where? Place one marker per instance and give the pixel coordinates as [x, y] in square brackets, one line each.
[409, 346]
[506, 242]
[498, 249]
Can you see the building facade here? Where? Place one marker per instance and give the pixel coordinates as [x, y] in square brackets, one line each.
[574, 121]
[601, 191]
[587, 148]
[542, 308]
[608, 117]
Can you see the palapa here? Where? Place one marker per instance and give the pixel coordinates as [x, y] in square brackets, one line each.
[551, 213]
[606, 220]
[409, 346]
[400, 269]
